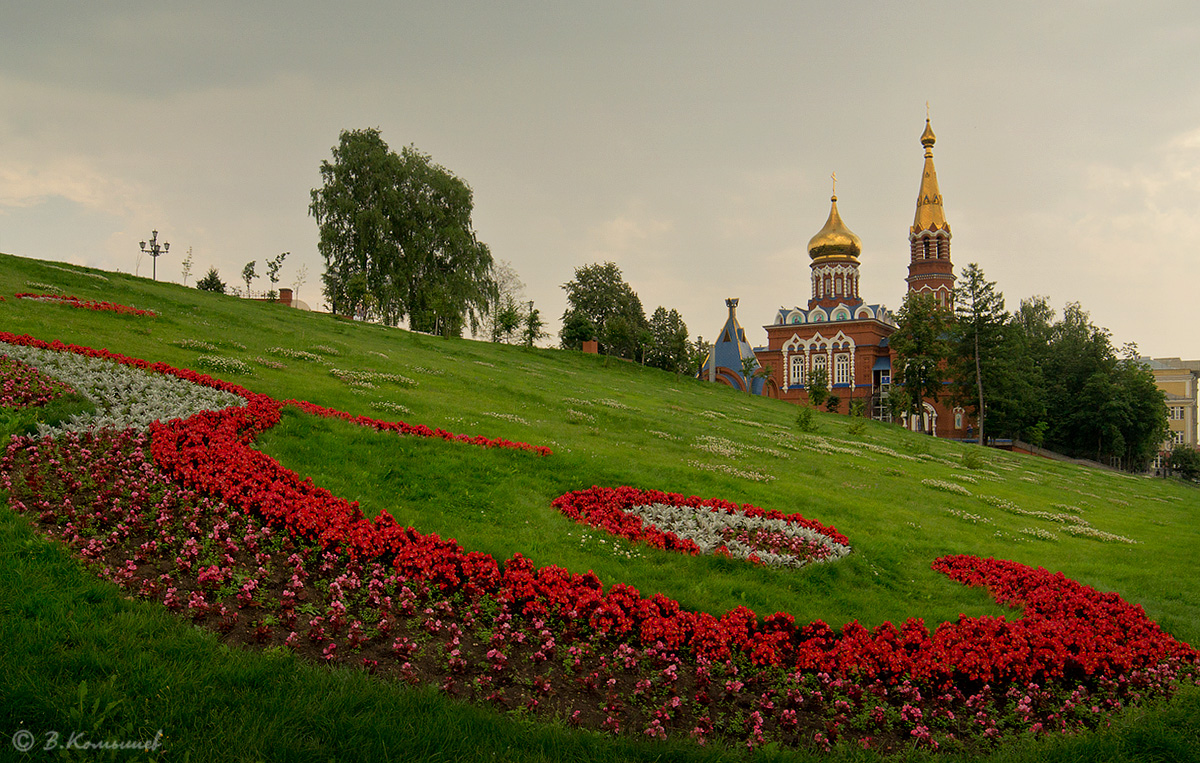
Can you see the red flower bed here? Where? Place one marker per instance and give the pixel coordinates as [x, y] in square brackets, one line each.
[1103, 635]
[416, 430]
[1072, 640]
[609, 509]
[23, 386]
[111, 307]
[264, 400]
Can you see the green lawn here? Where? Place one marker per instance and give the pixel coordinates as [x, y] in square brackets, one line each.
[68, 640]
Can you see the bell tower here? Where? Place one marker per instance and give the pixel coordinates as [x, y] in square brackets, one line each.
[930, 269]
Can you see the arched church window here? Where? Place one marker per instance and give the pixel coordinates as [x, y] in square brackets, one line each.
[841, 315]
[926, 246]
[819, 362]
[841, 368]
[797, 370]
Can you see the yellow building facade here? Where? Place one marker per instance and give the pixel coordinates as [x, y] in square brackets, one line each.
[1179, 380]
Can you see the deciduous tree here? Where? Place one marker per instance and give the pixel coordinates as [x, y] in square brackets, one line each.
[273, 266]
[403, 224]
[1185, 462]
[669, 347]
[248, 275]
[187, 266]
[510, 290]
[600, 293]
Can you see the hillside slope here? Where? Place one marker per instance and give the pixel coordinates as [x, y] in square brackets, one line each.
[902, 500]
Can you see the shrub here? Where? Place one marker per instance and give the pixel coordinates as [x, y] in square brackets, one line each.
[1185, 462]
[806, 419]
[211, 282]
[971, 459]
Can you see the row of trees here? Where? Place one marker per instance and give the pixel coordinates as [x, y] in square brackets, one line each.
[212, 279]
[602, 307]
[1053, 381]
[511, 317]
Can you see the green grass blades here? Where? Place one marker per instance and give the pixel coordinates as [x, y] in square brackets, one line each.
[78, 654]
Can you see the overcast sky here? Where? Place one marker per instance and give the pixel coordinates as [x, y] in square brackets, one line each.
[690, 143]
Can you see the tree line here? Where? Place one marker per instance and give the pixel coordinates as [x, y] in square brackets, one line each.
[1054, 381]
[602, 307]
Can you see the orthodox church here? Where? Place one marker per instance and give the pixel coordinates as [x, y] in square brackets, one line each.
[840, 332]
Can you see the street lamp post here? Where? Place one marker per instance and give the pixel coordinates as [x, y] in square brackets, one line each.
[154, 250]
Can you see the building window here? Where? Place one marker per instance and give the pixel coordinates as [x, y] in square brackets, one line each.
[1178, 437]
[841, 368]
[820, 363]
[797, 375]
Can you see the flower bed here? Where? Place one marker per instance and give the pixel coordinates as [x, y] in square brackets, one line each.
[563, 645]
[23, 386]
[63, 299]
[124, 394]
[416, 430]
[65, 351]
[694, 525]
[189, 515]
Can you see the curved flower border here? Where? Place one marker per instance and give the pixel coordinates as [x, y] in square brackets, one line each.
[73, 301]
[1011, 674]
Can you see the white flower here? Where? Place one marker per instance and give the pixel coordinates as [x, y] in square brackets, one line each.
[125, 397]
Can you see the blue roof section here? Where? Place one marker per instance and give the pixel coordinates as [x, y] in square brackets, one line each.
[730, 348]
[882, 364]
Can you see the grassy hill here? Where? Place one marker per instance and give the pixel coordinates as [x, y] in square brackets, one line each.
[74, 646]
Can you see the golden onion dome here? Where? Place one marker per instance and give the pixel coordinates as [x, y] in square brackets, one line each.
[927, 137]
[835, 241]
